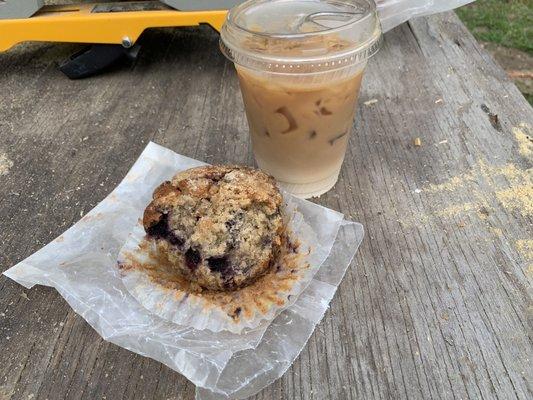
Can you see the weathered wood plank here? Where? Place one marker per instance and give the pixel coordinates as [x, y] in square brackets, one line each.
[437, 304]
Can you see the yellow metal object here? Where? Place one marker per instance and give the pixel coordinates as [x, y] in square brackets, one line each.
[79, 24]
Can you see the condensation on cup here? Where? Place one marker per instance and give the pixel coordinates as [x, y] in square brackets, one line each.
[300, 64]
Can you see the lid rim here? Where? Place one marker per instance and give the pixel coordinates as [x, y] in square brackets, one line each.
[294, 65]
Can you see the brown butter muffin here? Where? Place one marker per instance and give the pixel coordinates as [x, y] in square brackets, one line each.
[220, 226]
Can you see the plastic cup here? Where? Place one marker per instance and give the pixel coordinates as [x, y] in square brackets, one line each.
[300, 64]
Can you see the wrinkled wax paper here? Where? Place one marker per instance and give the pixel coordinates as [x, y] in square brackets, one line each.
[81, 265]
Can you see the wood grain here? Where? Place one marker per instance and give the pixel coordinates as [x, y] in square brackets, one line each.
[438, 302]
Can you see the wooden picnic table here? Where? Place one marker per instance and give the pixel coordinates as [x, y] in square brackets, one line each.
[437, 304]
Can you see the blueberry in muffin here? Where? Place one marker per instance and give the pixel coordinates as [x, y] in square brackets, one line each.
[220, 226]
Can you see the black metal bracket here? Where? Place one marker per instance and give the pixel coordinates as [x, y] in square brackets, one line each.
[95, 58]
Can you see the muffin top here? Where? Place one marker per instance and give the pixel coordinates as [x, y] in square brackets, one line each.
[220, 226]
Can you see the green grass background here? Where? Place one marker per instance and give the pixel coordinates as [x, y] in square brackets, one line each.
[508, 23]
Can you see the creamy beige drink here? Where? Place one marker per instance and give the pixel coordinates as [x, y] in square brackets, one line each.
[300, 64]
[299, 129]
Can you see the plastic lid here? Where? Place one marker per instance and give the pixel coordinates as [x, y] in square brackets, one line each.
[301, 35]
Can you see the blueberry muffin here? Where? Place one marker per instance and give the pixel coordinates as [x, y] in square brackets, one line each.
[220, 226]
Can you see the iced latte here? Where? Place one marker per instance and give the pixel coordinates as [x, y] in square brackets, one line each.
[299, 130]
[300, 71]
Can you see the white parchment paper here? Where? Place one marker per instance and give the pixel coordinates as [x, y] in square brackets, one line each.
[80, 265]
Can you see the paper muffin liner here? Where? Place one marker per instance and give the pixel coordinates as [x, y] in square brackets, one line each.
[152, 280]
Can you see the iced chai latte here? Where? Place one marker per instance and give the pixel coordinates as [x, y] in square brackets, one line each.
[300, 71]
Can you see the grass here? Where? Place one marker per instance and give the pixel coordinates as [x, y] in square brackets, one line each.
[508, 23]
